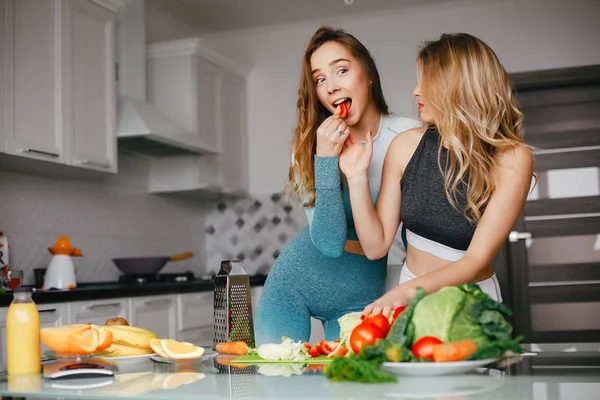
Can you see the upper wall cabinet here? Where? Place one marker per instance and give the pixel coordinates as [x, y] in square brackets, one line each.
[206, 93]
[57, 81]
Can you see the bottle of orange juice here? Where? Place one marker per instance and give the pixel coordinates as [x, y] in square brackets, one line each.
[23, 334]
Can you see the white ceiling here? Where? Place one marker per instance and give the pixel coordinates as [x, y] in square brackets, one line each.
[215, 16]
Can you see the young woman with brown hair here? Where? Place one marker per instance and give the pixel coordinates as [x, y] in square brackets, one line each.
[323, 272]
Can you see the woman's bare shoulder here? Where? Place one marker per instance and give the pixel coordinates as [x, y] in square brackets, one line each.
[406, 142]
[403, 146]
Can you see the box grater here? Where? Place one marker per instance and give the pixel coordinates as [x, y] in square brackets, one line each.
[233, 305]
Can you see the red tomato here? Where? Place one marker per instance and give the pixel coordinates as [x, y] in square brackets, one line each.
[423, 348]
[382, 323]
[363, 335]
[325, 347]
[313, 352]
[397, 312]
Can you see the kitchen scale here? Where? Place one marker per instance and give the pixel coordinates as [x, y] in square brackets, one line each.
[78, 368]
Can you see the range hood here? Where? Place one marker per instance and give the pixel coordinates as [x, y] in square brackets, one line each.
[140, 127]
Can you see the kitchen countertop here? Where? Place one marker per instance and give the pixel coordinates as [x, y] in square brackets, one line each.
[555, 373]
[111, 290]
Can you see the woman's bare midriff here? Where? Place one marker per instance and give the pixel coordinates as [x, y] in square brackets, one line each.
[420, 262]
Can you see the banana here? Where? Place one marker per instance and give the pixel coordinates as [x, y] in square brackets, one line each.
[131, 335]
[121, 350]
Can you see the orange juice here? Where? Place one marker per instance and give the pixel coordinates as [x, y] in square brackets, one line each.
[23, 335]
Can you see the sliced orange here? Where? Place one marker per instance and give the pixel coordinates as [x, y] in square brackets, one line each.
[157, 348]
[105, 337]
[180, 350]
[57, 338]
[84, 342]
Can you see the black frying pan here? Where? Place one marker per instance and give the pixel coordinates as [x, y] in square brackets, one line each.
[146, 265]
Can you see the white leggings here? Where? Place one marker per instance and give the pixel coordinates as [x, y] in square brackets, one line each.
[490, 286]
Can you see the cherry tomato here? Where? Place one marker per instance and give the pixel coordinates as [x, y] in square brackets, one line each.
[363, 335]
[423, 348]
[382, 323]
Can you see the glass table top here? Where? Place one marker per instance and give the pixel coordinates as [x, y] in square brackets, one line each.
[542, 372]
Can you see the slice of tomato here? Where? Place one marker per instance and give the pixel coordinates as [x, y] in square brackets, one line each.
[313, 352]
[327, 346]
[423, 348]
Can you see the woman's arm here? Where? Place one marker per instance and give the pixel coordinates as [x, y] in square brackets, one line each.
[377, 225]
[327, 219]
[512, 177]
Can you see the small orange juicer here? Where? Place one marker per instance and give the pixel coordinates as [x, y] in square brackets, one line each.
[60, 273]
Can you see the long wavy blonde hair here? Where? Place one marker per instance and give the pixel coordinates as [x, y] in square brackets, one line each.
[475, 112]
[311, 113]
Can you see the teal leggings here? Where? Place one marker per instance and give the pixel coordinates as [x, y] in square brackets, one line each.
[304, 283]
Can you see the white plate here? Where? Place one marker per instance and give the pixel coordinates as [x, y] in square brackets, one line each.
[433, 368]
[130, 359]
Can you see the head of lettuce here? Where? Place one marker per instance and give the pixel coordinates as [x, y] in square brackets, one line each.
[457, 313]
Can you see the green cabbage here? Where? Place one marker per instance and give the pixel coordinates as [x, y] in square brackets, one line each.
[465, 312]
[347, 324]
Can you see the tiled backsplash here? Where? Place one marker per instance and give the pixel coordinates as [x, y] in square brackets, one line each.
[255, 231]
[116, 218]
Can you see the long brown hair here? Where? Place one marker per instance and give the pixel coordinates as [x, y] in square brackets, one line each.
[474, 110]
[311, 113]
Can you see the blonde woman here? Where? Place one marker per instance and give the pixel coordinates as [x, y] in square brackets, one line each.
[458, 185]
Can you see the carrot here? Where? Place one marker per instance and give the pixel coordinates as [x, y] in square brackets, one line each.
[240, 348]
[455, 351]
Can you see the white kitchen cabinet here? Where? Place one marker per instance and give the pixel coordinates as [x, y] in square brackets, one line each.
[90, 95]
[97, 311]
[183, 85]
[155, 313]
[206, 93]
[199, 336]
[32, 39]
[59, 83]
[195, 317]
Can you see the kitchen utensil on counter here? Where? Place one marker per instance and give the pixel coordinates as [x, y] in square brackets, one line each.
[38, 277]
[233, 305]
[146, 265]
[61, 271]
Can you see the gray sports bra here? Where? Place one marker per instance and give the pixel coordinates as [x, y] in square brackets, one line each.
[431, 223]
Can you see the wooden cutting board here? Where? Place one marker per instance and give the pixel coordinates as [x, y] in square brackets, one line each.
[256, 359]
